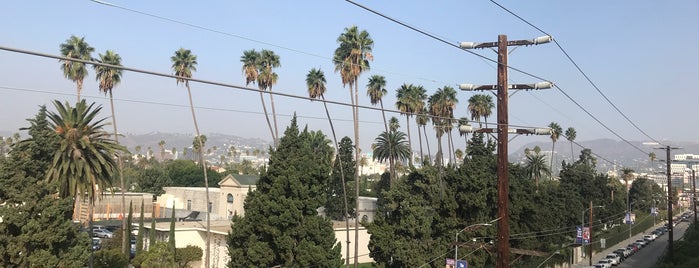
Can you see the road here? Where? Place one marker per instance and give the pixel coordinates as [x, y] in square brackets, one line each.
[647, 256]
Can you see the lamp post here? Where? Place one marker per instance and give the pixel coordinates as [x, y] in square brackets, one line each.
[503, 246]
[582, 224]
[468, 228]
[555, 253]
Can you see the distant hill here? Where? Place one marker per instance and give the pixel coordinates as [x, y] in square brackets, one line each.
[180, 141]
[619, 152]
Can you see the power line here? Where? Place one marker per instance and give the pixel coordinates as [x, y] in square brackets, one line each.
[221, 84]
[199, 27]
[488, 59]
[579, 70]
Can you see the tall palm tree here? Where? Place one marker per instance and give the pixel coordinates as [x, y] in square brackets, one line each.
[250, 60]
[107, 78]
[480, 105]
[84, 163]
[652, 157]
[315, 82]
[376, 89]
[571, 134]
[393, 124]
[410, 100]
[535, 167]
[75, 48]
[422, 119]
[391, 146]
[441, 106]
[183, 64]
[268, 78]
[161, 144]
[556, 132]
[351, 58]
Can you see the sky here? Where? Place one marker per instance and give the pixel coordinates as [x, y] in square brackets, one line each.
[641, 54]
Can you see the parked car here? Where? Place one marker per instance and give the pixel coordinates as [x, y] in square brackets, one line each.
[606, 262]
[622, 252]
[96, 243]
[633, 248]
[649, 238]
[641, 242]
[614, 257]
[102, 233]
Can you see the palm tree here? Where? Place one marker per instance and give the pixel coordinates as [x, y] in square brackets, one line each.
[352, 58]
[268, 78]
[393, 124]
[441, 107]
[556, 132]
[535, 167]
[315, 81]
[571, 134]
[75, 48]
[250, 60]
[480, 105]
[183, 64]
[161, 144]
[459, 154]
[422, 119]
[198, 144]
[108, 78]
[391, 146]
[84, 163]
[376, 89]
[410, 100]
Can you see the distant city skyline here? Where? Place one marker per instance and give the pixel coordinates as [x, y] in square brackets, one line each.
[640, 54]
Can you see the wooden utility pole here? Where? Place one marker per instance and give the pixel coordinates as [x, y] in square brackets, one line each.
[589, 248]
[503, 179]
[669, 203]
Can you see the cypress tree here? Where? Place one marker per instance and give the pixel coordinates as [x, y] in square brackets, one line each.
[151, 234]
[139, 239]
[171, 239]
[281, 226]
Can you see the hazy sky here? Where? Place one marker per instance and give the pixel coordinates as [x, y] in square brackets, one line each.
[642, 54]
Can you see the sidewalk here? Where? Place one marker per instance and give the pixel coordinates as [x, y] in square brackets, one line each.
[597, 256]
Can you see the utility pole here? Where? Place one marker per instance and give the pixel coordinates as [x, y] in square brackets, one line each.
[669, 199]
[589, 248]
[503, 236]
[694, 198]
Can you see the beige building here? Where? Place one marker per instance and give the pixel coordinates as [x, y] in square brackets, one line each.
[225, 201]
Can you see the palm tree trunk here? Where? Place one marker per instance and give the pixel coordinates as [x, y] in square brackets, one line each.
[79, 83]
[120, 166]
[450, 143]
[572, 156]
[410, 147]
[383, 113]
[427, 142]
[356, 172]
[274, 116]
[342, 177]
[553, 149]
[269, 124]
[89, 219]
[419, 137]
[206, 178]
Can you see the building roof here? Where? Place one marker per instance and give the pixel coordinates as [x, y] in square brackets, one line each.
[219, 227]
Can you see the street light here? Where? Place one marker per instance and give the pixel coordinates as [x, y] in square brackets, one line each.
[555, 253]
[468, 228]
[582, 220]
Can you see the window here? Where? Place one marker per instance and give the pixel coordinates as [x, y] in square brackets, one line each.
[210, 206]
[229, 198]
[189, 204]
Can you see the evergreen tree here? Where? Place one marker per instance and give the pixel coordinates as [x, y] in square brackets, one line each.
[151, 233]
[127, 237]
[281, 226]
[334, 207]
[171, 239]
[37, 233]
[141, 229]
